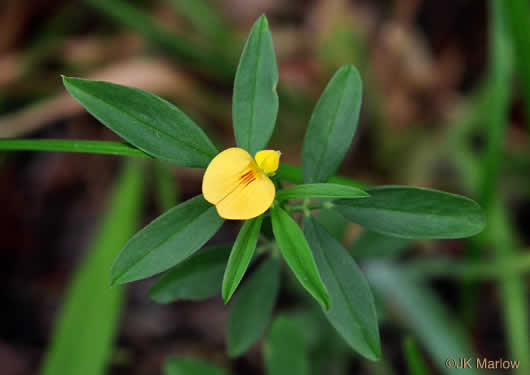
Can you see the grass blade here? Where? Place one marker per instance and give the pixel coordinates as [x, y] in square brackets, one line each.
[88, 323]
[66, 145]
[180, 48]
[415, 362]
[423, 314]
[516, 14]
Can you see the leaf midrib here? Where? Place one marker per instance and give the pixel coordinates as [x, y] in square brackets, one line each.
[409, 213]
[255, 87]
[300, 262]
[331, 128]
[162, 243]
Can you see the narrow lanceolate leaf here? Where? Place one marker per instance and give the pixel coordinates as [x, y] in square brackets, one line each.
[252, 308]
[352, 311]
[167, 241]
[286, 351]
[255, 102]
[296, 251]
[332, 126]
[89, 320]
[330, 191]
[190, 366]
[240, 256]
[197, 278]
[144, 120]
[410, 212]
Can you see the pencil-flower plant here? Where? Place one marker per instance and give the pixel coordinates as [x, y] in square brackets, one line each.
[240, 184]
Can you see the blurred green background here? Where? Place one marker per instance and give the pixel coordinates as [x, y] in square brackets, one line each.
[446, 105]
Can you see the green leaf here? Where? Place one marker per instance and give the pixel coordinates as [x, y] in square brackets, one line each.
[286, 351]
[252, 308]
[331, 191]
[333, 222]
[410, 212]
[424, 314]
[197, 278]
[144, 120]
[189, 366]
[240, 256]
[296, 251]
[255, 102]
[167, 241]
[376, 245]
[352, 311]
[332, 126]
[86, 328]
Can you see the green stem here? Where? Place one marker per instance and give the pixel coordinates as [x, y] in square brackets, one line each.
[65, 145]
[516, 15]
[469, 271]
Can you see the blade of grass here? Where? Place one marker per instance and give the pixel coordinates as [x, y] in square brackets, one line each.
[415, 362]
[88, 323]
[167, 188]
[441, 267]
[513, 291]
[203, 16]
[67, 145]
[159, 34]
[516, 14]
[423, 314]
[499, 89]
[512, 287]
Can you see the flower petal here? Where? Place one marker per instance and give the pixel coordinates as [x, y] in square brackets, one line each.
[268, 160]
[249, 199]
[237, 186]
[224, 172]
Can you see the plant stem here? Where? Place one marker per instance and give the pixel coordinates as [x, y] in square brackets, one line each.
[469, 271]
[66, 145]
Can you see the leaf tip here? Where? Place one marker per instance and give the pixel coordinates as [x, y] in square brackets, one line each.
[227, 295]
[263, 20]
[325, 301]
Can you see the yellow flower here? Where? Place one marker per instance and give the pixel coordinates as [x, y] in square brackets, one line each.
[238, 185]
